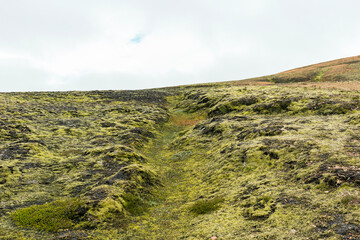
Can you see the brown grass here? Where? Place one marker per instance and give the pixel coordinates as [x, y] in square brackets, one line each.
[350, 86]
[261, 81]
[342, 61]
[338, 74]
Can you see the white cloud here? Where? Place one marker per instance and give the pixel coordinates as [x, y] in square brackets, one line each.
[88, 44]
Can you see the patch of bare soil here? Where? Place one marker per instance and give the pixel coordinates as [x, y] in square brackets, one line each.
[261, 81]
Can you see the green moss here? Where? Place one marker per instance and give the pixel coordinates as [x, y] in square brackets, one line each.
[283, 158]
[354, 119]
[319, 76]
[109, 211]
[350, 198]
[258, 207]
[51, 217]
[135, 205]
[205, 206]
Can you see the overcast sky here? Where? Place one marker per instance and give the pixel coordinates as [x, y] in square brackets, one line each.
[135, 44]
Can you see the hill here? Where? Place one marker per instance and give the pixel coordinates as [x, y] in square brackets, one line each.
[342, 74]
[275, 157]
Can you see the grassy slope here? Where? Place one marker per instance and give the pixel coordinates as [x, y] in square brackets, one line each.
[235, 162]
[344, 69]
[337, 72]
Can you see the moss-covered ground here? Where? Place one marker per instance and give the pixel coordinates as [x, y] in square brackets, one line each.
[197, 162]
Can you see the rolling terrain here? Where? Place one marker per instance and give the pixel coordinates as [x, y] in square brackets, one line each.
[275, 157]
[341, 74]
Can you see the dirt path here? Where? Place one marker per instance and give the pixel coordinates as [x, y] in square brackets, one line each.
[167, 217]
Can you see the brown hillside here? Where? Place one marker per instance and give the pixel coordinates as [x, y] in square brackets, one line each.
[342, 74]
[334, 64]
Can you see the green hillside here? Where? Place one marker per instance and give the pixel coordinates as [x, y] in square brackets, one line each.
[254, 159]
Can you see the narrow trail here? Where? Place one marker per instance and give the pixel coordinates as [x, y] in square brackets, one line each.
[167, 217]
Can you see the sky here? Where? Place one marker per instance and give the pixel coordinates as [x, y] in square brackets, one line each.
[60, 45]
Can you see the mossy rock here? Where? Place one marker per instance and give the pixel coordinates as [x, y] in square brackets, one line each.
[258, 208]
[204, 206]
[51, 217]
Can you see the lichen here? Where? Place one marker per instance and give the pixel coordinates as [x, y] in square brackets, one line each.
[192, 162]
